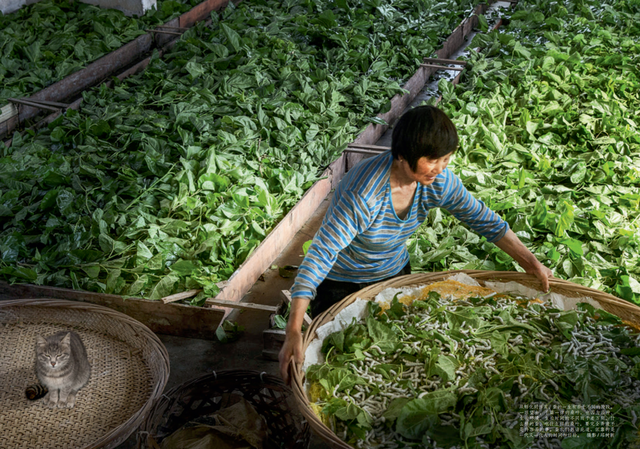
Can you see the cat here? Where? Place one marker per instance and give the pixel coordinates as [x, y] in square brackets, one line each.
[62, 366]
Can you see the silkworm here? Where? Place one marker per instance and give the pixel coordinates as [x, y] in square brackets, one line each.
[543, 394]
[467, 390]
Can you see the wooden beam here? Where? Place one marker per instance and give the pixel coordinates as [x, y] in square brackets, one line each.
[441, 67]
[33, 104]
[7, 111]
[49, 103]
[164, 32]
[445, 61]
[172, 27]
[370, 147]
[201, 11]
[241, 305]
[361, 151]
[180, 296]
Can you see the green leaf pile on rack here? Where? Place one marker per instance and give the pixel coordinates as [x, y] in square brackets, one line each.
[549, 122]
[44, 42]
[170, 180]
[446, 372]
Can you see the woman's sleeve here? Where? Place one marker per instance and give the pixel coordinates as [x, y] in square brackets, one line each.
[347, 216]
[462, 205]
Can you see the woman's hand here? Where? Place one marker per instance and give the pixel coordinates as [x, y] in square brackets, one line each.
[291, 349]
[543, 274]
[512, 245]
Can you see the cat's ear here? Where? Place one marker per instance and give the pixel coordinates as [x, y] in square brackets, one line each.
[67, 339]
[40, 341]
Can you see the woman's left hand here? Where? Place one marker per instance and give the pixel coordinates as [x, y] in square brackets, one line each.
[512, 245]
[543, 274]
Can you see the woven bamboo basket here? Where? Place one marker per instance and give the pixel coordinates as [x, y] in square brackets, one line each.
[199, 397]
[627, 311]
[129, 370]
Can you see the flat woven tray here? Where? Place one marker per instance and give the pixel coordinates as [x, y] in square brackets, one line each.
[625, 310]
[129, 370]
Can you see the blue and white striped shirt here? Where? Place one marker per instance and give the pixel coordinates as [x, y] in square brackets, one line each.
[361, 238]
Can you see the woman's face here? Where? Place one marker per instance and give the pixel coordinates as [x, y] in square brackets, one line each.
[427, 169]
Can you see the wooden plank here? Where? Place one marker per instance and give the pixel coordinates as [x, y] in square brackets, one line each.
[201, 12]
[241, 305]
[181, 296]
[473, 20]
[171, 319]
[34, 104]
[174, 33]
[445, 61]
[369, 147]
[441, 67]
[361, 151]
[7, 111]
[48, 103]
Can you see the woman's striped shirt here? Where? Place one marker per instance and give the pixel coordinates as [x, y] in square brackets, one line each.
[361, 238]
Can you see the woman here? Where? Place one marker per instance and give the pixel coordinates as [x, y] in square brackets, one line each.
[376, 207]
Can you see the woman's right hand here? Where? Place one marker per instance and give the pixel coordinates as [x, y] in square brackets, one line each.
[291, 349]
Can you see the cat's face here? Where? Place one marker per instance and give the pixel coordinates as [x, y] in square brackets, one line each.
[53, 355]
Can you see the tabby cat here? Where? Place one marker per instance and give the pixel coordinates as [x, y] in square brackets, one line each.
[62, 366]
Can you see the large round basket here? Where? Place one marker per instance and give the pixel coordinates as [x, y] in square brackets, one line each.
[202, 396]
[129, 370]
[629, 312]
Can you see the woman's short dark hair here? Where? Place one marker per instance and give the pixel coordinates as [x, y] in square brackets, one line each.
[424, 131]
